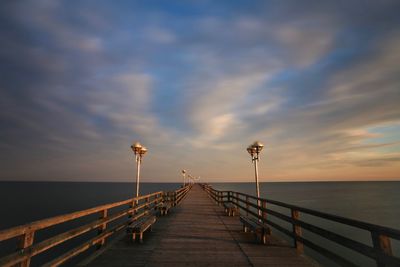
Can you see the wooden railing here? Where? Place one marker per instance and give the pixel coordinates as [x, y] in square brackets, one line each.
[134, 209]
[380, 251]
[175, 197]
[181, 193]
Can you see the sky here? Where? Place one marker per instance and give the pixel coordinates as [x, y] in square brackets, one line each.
[196, 82]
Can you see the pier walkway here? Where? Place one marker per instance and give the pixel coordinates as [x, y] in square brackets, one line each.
[198, 233]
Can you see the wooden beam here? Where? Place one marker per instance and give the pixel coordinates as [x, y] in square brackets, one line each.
[297, 231]
[34, 226]
[25, 242]
[383, 247]
[102, 228]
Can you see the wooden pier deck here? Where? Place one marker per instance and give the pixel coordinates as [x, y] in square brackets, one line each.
[198, 233]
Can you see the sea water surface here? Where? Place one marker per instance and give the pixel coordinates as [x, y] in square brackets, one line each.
[374, 202]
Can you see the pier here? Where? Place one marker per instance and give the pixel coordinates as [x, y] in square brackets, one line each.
[196, 231]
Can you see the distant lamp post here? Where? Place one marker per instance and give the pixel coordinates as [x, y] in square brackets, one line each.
[194, 179]
[254, 151]
[191, 179]
[139, 151]
[184, 177]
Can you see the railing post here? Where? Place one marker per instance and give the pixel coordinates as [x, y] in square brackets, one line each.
[229, 196]
[382, 245]
[26, 241]
[147, 207]
[264, 212]
[297, 231]
[174, 197]
[247, 206]
[169, 197]
[134, 204]
[102, 228]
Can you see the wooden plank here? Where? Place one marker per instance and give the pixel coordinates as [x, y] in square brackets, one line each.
[103, 227]
[25, 242]
[30, 251]
[37, 225]
[382, 246]
[381, 252]
[73, 252]
[297, 232]
[387, 231]
[198, 234]
[56, 240]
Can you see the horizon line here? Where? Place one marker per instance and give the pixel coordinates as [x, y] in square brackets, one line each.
[206, 182]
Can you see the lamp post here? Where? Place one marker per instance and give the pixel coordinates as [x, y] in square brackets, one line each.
[191, 179]
[184, 176]
[254, 151]
[139, 151]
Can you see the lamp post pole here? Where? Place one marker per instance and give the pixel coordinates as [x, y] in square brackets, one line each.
[191, 179]
[139, 151]
[184, 177]
[254, 151]
[256, 175]
[138, 161]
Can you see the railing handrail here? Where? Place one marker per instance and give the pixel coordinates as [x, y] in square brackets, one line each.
[394, 233]
[181, 193]
[380, 251]
[45, 223]
[183, 188]
[27, 249]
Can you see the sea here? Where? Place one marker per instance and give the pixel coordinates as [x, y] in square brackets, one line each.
[373, 202]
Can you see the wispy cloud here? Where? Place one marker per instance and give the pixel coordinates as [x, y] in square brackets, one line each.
[317, 82]
[214, 107]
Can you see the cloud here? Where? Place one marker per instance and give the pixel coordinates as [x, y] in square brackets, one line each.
[214, 106]
[296, 43]
[160, 35]
[314, 81]
[305, 41]
[125, 101]
[334, 131]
